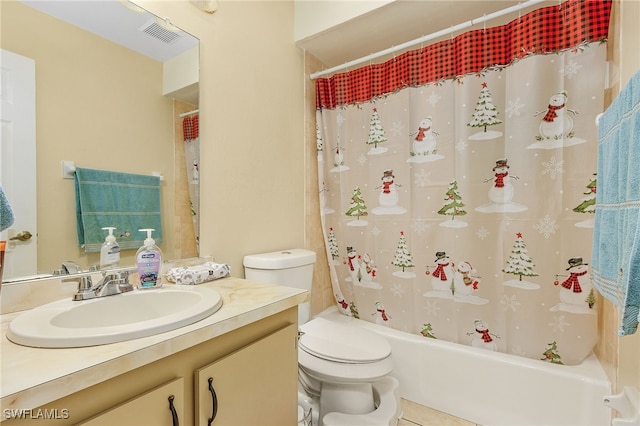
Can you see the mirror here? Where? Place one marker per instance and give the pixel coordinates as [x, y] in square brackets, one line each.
[102, 103]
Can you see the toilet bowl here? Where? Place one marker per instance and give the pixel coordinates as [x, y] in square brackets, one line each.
[387, 412]
[342, 367]
[347, 368]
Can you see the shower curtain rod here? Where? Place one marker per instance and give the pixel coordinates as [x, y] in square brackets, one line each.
[426, 38]
[184, 114]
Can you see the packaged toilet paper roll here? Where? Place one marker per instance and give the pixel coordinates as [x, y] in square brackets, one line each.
[191, 275]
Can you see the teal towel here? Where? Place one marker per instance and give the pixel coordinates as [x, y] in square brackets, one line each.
[615, 264]
[6, 212]
[128, 202]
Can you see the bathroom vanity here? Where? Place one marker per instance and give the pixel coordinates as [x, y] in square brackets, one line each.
[245, 354]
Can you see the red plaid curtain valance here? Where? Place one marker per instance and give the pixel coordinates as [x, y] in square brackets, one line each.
[190, 127]
[545, 30]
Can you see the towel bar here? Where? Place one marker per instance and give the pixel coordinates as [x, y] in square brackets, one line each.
[69, 169]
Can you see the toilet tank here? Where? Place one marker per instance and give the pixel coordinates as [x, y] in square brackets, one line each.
[290, 268]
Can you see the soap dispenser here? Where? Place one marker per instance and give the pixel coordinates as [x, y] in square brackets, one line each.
[149, 262]
[110, 251]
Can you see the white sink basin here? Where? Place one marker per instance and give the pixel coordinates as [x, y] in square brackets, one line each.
[140, 313]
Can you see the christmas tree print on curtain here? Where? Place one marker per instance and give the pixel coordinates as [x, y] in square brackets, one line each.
[357, 209]
[551, 354]
[485, 115]
[423, 145]
[376, 134]
[389, 197]
[362, 270]
[441, 278]
[482, 338]
[466, 284]
[427, 331]
[588, 204]
[332, 245]
[353, 309]
[576, 291]
[453, 207]
[521, 265]
[501, 192]
[556, 127]
[403, 258]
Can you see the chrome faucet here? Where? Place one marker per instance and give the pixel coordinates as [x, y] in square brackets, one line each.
[113, 282]
[70, 267]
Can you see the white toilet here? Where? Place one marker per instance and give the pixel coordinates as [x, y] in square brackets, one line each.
[343, 369]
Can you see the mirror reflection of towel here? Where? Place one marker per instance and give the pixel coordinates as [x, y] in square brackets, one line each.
[126, 201]
[6, 213]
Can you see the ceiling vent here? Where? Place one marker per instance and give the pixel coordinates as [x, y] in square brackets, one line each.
[159, 31]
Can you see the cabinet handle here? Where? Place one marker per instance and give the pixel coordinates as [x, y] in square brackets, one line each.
[214, 401]
[174, 414]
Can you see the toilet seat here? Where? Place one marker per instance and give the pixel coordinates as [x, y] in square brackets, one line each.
[342, 343]
[341, 372]
[341, 353]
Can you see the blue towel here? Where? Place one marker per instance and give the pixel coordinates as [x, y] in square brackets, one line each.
[128, 202]
[615, 264]
[6, 213]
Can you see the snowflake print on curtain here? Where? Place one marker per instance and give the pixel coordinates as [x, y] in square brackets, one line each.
[456, 200]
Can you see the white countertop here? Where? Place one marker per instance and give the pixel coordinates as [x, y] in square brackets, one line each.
[30, 377]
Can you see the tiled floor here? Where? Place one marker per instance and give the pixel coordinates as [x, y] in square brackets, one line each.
[414, 414]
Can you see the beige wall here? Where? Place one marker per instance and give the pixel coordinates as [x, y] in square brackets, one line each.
[126, 125]
[251, 118]
[312, 17]
[251, 126]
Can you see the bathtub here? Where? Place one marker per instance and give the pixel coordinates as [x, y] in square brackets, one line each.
[492, 388]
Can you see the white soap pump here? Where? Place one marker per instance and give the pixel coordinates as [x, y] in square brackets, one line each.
[149, 262]
[110, 251]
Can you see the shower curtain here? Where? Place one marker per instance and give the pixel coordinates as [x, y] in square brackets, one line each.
[457, 185]
[190, 131]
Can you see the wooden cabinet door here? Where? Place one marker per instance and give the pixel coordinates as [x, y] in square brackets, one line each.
[149, 409]
[255, 385]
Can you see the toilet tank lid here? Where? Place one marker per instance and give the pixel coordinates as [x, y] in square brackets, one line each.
[281, 259]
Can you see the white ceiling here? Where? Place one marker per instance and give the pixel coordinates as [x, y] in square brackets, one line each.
[402, 21]
[112, 20]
